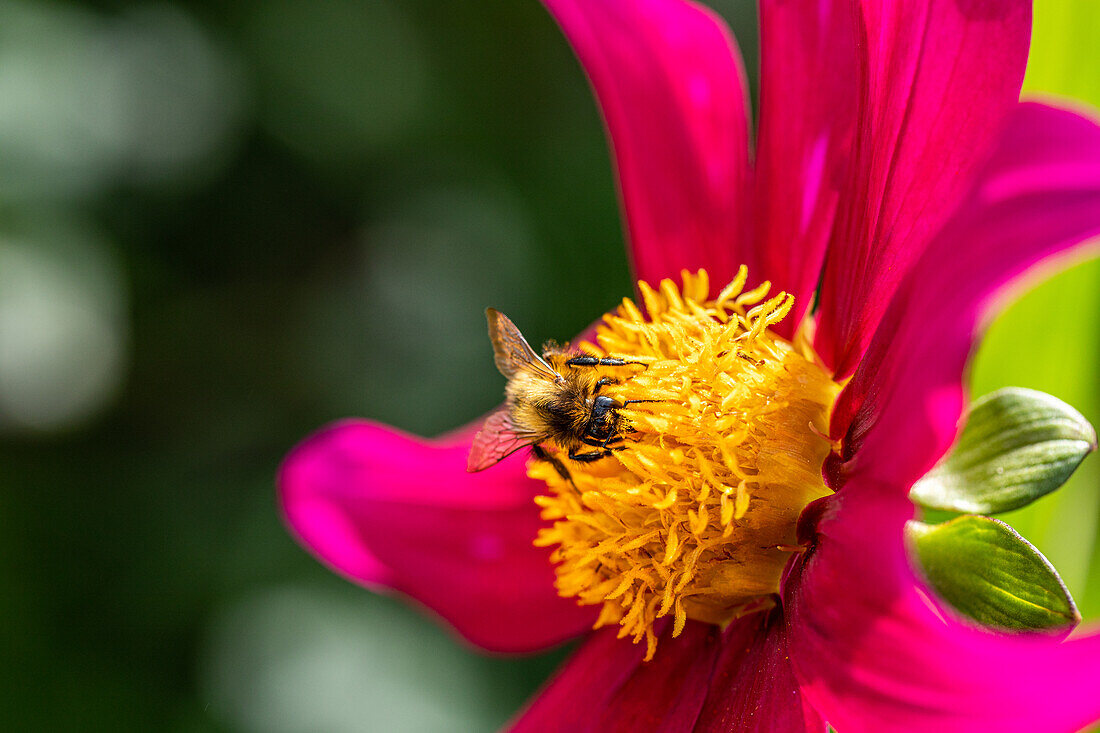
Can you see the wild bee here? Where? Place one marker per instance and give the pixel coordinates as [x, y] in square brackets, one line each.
[550, 398]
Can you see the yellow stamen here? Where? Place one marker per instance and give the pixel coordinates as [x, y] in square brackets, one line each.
[695, 515]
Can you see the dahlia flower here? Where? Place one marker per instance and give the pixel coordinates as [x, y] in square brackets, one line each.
[750, 534]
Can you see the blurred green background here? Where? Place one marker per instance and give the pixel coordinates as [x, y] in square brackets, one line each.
[225, 224]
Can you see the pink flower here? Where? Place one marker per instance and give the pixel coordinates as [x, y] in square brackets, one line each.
[895, 167]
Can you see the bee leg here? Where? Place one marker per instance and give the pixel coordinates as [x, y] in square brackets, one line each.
[540, 454]
[603, 382]
[611, 440]
[592, 456]
[585, 360]
[589, 457]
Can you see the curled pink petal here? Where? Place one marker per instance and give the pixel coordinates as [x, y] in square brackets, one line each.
[392, 511]
[606, 687]
[753, 689]
[875, 652]
[670, 83]
[872, 647]
[808, 102]
[1038, 196]
[939, 79]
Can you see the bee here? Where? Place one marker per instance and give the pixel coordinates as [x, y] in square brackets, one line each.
[550, 398]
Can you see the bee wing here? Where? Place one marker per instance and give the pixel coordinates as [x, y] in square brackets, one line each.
[512, 352]
[497, 439]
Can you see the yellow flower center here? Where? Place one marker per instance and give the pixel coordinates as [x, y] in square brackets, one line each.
[694, 514]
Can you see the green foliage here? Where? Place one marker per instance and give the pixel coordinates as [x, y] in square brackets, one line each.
[988, 572]
[1017, 445]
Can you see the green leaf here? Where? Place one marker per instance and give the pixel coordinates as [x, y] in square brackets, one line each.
[988, 572]
[1017, 445]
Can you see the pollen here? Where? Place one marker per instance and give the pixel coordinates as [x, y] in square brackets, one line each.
[693, 513]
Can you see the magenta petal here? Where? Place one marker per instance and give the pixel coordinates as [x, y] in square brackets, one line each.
[606, 687]
[390, 510]
[670, 83]
[875, 653]
[872, 648]
[1038, 196]
[753, 689]
[940, 77]
[808, 104]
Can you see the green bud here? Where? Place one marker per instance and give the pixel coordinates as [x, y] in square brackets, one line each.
[988, 572]
[1017, 445]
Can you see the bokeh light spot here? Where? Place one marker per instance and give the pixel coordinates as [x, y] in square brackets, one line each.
[63, 328]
